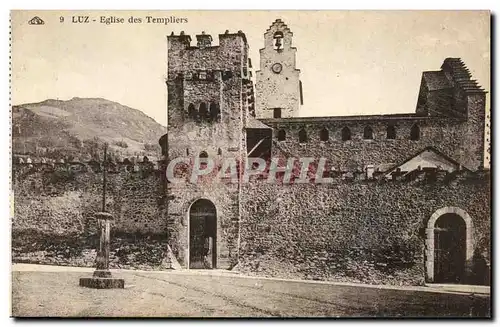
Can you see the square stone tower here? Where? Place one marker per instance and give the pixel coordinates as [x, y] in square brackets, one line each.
[278, 87]
[208, 105]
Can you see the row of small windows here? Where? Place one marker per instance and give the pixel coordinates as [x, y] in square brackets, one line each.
[204, 113]
[204, 154]
[324, 134]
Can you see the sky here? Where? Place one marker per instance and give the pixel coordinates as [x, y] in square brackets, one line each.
[351, 62]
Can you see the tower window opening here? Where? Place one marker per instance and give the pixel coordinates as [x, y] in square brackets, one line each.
[277, 112]
[214, 112]
[203, 111]
[203, 154]
[324, 135]
[346, 134]
[281, 135]
[302, 136]
[368, 133]
[415, 133]
[278, 41]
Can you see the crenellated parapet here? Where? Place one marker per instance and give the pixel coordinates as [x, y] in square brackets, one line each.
[203, 41]
[375, 175]
[128, 165]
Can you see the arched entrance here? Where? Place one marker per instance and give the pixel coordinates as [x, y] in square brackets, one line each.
[202, 235]
[449, 249]
[448, 246]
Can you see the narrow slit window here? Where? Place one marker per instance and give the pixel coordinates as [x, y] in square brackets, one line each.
[415, 133]
[391, 132]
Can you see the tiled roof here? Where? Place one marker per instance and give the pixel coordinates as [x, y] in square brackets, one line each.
[461, 75]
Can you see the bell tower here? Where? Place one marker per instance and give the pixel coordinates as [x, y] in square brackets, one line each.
[278, 86]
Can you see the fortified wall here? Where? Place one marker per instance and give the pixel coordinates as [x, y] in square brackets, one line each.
[359, 229]
[373, 223]
[62, 198]
[54, 207]
[356, 228]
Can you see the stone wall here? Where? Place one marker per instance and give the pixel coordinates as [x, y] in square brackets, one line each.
[363, 231]
[225, 197]
[54, 210]
[61, 201]
[444, 134]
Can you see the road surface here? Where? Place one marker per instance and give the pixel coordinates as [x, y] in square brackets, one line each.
[165, 294]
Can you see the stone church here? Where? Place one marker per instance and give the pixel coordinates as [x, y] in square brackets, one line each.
[404, 198]
[409, 198]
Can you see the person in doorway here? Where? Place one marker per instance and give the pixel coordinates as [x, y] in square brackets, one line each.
[208, 248]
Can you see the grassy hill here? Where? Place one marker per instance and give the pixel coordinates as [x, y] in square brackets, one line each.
[78, 128]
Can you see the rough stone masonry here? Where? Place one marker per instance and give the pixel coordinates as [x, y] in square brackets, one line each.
[408, 201]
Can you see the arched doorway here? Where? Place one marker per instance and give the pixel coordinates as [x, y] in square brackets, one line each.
[449, 246]
[202, 235]
[449, 249]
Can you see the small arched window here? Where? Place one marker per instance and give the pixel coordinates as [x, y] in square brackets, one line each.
[214, 112]
[415, 133]
[391, 132]
[368, 133]
[281, 135]
[324, 135]
[203, 111]
[346, 134]
[302, 136]
[203, 154]
[191, 111]
[219, 151]
[278, 40]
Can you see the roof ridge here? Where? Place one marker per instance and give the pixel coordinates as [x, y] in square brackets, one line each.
[461, 75]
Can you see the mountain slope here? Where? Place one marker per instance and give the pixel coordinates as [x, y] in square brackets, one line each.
[78, 128]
